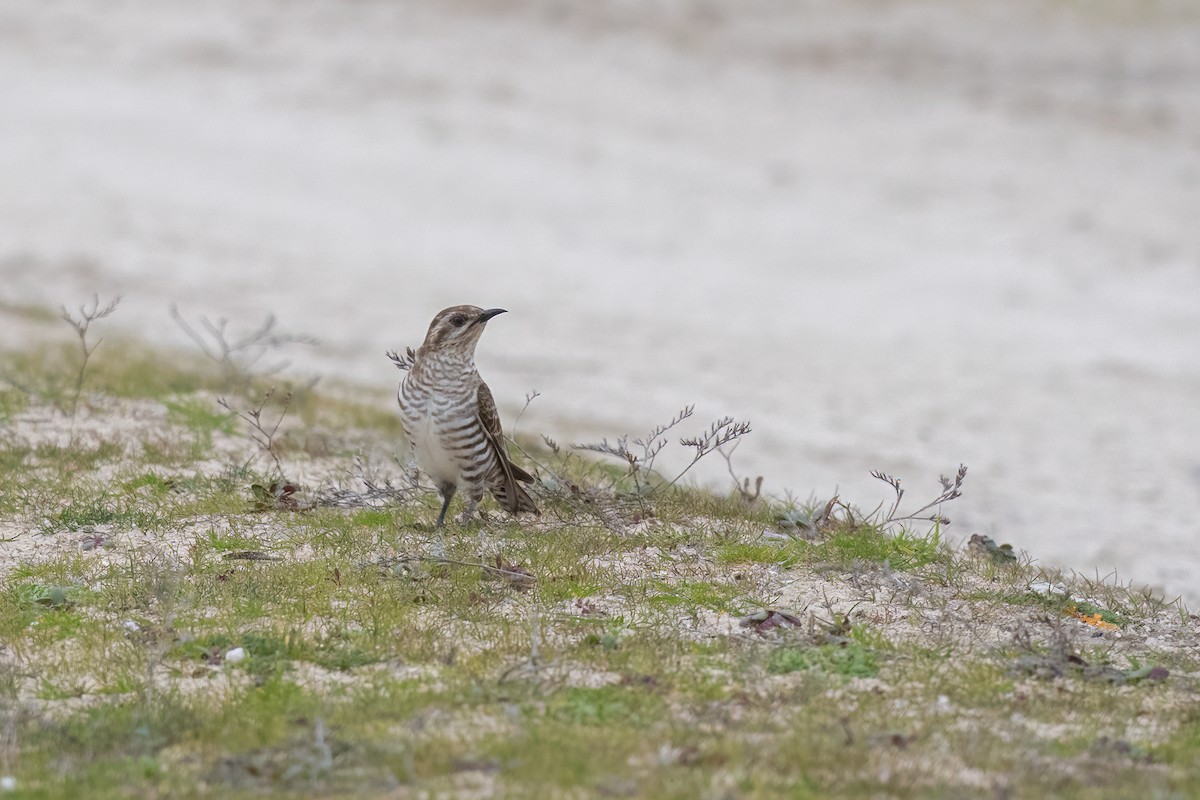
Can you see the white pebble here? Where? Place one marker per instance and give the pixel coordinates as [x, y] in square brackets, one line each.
[131, 626]
[8, 783]
[236, 655]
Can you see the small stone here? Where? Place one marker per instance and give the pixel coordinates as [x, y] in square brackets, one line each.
[8, 783]
[131, 626]
[236, 655]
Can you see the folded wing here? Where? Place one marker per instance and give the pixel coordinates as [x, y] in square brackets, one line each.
[502, 483]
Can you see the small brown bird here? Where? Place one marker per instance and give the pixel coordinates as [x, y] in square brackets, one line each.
[450, 417]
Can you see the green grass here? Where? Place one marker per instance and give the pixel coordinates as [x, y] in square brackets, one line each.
[618, 665]
[753, 553]
[903, 550]
[695, 595]
[849, 660]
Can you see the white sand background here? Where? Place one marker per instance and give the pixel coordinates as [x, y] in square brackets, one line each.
[893, 235]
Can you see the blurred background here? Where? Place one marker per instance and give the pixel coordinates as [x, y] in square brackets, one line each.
[893, 235]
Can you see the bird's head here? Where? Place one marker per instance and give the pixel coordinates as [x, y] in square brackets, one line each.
[457, 329]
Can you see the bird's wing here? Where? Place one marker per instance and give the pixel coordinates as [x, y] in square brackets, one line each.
[490, 420]
[520, 474]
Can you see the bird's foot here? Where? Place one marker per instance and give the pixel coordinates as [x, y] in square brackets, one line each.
[468, 514]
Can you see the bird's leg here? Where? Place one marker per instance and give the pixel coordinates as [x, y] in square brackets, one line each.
[439, 547]
[469, 511]
[447, 490]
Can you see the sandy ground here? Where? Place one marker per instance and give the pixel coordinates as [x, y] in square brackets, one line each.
[893, 235]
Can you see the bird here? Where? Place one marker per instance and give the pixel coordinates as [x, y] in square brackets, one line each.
[449, 417]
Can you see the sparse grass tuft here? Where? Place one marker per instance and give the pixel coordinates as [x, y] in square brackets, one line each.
[904, 550]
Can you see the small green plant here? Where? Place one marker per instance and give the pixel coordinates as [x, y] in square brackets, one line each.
[866, 543]
[849, 660]
[695, 595]
[230, 541]
[88, 514]
[754, 553]
[43, 596]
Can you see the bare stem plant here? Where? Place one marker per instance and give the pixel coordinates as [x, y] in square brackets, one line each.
[263, 433]
[930, 512]
[239, 357]
[640, 458]
[529, 398]
[640, 464]
[82, 325]
[376, 490]
[741, 484]
[722, 432]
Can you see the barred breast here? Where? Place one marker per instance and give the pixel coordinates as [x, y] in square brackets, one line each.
[438, 405]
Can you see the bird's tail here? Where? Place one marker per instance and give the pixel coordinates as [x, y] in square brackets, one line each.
[524, 504]
[510, 494]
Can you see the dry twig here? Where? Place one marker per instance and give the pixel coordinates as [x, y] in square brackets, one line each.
[238, 357]
[87, 315]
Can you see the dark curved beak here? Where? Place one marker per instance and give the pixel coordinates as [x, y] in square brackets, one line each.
[486, 315]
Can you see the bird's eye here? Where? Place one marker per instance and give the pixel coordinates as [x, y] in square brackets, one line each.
[458, 320]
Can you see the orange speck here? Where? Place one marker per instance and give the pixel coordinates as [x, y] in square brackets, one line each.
[1095, 620]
